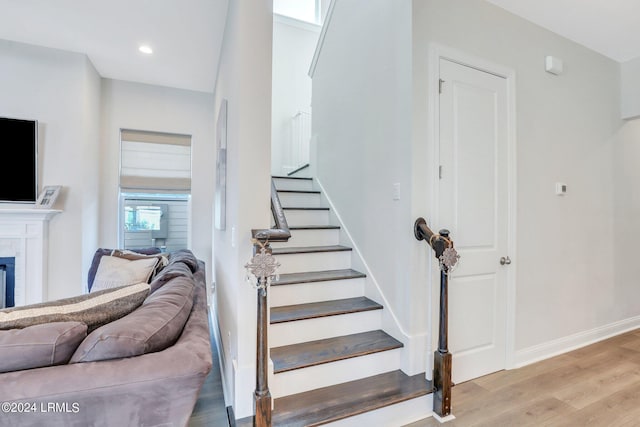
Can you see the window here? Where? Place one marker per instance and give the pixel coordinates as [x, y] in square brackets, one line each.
[155, 190]
[142, 217]
[303, 10]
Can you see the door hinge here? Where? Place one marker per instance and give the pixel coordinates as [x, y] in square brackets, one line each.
[440, 172]
[440, 83]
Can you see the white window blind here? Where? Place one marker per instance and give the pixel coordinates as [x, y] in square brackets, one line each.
[155, 162]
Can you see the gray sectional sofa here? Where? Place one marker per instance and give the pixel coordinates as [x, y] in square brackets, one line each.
[153, 385]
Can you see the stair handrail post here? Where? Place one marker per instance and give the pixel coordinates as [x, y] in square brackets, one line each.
[442, 361]
[263, 266]
[262, 395]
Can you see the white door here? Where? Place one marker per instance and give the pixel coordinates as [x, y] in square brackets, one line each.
[474, 207]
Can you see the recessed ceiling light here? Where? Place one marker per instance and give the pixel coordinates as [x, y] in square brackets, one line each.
[145, 49]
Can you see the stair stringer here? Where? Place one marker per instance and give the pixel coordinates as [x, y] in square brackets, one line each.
[417, 348]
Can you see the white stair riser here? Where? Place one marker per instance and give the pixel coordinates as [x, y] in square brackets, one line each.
[305, 379]
[293, 184]
[314, 237]
[305, 200]
[316, 261]
[400, 414]
[303, 293]
[323, 327]
[297, 217]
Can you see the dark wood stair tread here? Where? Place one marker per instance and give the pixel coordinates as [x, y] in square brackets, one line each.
[309, 249]
[303, 167]
[315, 227]
[329, 404]
[300, 191]
[333, 403]
[290, 313]
[304, 208]
[291, 177]
[317, 276]
[312, 353]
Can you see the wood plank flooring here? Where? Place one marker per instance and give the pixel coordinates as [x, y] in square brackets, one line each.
[210, 410]
[597, 385]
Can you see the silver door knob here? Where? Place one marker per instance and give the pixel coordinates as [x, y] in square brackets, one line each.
[505, 260]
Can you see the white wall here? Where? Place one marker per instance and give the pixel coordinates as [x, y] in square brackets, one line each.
[362, 131]
[630, 88]
[566, 131]
[128, 105]
[294, 43]
[573, 260]
[79, 116]
[61, 90]
[625, 195]
[244, 80]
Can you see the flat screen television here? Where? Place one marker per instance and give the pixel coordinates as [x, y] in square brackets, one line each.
[19, 150]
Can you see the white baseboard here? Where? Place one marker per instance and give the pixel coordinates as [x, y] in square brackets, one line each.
[562, 345]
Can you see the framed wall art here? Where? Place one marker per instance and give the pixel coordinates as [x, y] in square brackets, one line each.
[221, 168]
[48, 196]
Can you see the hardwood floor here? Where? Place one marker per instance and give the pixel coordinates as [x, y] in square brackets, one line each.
[598, 385]
[210, 410]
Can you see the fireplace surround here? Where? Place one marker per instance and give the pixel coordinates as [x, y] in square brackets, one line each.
[24, 236]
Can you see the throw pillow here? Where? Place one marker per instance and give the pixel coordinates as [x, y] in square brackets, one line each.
[93, 309]
[156, 325]
[42, 345]
[100, 252]
[163, 259]
[114, 272]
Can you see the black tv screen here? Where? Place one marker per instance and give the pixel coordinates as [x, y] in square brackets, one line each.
[19, 172]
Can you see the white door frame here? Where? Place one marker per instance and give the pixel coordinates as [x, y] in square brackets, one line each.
[437, 52]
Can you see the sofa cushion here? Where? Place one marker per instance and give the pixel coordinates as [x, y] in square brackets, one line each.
[154, 326]
[173, 270]
[185, 256]
[100, 252]
[36, 346]
[93, 309]
[114, 272]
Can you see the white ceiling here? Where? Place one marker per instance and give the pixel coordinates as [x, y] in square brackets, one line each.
[186, 36]
[610, 27]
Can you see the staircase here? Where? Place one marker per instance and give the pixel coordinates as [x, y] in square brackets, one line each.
[332, 362]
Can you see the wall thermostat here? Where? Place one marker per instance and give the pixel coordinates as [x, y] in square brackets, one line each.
[561, 189]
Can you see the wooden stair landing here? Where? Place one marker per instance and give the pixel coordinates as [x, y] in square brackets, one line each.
[333, 403]
[289, 313]
[312, 353]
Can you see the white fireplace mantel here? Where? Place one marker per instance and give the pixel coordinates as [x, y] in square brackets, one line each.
[24, 235]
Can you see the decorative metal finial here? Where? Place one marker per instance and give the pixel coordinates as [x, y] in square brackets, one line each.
[263, 268]
[449, 259]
